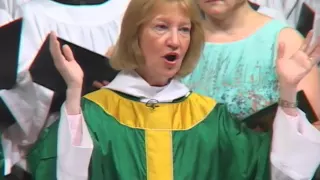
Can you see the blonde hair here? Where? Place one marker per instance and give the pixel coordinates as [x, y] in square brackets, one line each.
[127, 53]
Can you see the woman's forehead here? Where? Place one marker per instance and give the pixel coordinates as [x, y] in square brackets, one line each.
[170, 10]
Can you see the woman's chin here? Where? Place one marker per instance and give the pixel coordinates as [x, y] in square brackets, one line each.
[217, 12]
[170, 73]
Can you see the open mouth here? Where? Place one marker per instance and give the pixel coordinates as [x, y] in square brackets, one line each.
[171, 57]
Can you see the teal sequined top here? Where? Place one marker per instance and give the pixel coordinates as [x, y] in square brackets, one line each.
[242, 73]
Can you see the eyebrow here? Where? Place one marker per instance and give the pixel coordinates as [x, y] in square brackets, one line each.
[165, 19]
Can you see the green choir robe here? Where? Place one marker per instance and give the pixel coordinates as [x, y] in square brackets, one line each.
[181, 136]
[190, 138]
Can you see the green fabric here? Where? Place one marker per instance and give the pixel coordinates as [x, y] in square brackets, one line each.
[217, 148]
[220, 148]
[42, 158]
[119, 151]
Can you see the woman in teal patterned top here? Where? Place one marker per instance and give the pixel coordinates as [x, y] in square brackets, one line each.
[237, 66]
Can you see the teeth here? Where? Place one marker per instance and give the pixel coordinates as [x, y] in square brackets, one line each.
[170, 57]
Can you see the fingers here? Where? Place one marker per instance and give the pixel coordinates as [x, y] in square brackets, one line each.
[281, 49]
[97, 84]
[307, 42]
[316, 123]
[302, 60]
[56, 52]
[54, 46]
[313, 61]
[105, 83]
[314, 47]
[67, 52]
[309, 50]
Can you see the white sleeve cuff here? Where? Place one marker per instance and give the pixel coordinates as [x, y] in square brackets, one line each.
[73, 161]
[11, 153]
[295, 145]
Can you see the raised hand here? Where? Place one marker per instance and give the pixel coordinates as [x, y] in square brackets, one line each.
[65, 63]
[292, 70]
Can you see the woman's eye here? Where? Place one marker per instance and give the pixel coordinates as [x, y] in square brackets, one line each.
[185, 29]
[161, 27]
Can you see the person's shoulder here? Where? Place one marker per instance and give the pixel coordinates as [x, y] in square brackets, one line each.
[105, 97]
[290, 34]
[195, 95]
[100, 99]
[264, 20]
[266, 26]
[201, 101]
[291, 38]
[97, 95]
[215, 109]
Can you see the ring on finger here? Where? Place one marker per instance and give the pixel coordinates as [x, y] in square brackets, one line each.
[310, 59]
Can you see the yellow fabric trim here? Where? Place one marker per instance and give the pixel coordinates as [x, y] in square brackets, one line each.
[159, 155]
[168, 116]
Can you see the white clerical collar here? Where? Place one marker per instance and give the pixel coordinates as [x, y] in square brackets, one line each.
[129, 82]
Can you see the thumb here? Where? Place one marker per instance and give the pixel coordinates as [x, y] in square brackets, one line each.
[105, 83]
[317, 126]
[316, 123]
[97, 84]
[110, 52]
[281, 49]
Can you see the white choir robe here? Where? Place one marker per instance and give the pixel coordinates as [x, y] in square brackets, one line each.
[4, 17]
[11, 6]
[94, 27]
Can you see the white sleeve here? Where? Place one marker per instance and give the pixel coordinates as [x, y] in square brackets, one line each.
[33, 35]
[4, 17]
[11, 6]
[73, 158]
[29, 103]
[30, 115]
[11, 149]
[295, 152]
[8, 5]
